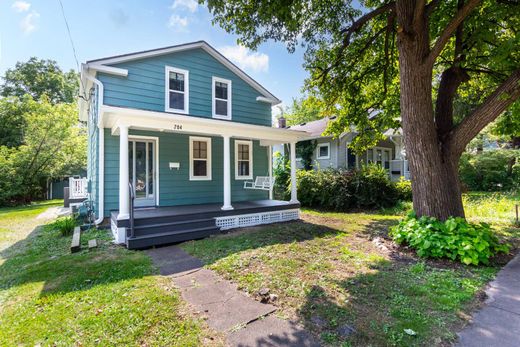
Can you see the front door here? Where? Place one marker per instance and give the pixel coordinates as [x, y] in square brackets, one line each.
[142, 171]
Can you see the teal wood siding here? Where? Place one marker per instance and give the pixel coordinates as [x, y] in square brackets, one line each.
[93, 152]
[175, 188]
[144, 87]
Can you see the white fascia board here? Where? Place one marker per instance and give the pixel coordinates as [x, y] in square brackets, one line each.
[200, 44]
[108, 70]
[177, 123]
[268, 100]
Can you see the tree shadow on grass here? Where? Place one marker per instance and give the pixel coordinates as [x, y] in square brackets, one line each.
[44, 256]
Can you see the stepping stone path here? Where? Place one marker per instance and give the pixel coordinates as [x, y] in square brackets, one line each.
[497, 323]
[245, 321]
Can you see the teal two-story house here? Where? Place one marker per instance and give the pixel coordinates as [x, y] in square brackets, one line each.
[179, 145]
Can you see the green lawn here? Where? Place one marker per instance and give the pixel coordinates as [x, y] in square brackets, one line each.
[108, 296]
[336, 269]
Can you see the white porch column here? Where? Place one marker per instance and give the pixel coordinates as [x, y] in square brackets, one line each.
[227, 174]
[294, 198]
[270, 159]
[124, 195]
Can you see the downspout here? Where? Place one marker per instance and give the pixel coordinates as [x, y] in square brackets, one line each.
[101, 159]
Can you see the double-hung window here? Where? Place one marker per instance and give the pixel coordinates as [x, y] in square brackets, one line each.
[221, 98]
[200, 158]
[243, 160]
[177, 90]
[323, 151]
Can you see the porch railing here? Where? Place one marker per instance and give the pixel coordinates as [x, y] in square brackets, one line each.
[78, 188]
[131, 208]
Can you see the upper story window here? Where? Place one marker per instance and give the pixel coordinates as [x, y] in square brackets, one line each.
[200, 158]
[177, 90]
[324, 151]
[221, 98]
[243, 160]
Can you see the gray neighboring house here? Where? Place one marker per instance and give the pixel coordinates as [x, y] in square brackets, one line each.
[334, 152]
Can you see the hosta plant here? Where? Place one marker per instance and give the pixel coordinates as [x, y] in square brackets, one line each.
[455, 239]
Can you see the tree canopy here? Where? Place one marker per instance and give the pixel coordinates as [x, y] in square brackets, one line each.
[303, 110]
[443, 70]
[38, 77]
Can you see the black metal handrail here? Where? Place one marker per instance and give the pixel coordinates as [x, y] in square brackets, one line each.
[132, 198]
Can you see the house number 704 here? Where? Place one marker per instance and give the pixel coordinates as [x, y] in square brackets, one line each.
[177, 127]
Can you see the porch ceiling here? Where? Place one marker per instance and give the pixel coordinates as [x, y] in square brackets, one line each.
[114, 117]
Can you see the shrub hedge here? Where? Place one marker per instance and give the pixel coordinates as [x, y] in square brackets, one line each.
[341, 190]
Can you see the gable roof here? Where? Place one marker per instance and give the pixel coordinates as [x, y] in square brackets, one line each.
[184, 47]
[317, 127]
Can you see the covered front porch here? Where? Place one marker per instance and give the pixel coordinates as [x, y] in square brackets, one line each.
[220, 190]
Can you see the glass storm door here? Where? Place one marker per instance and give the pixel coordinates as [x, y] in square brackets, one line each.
[142, 171]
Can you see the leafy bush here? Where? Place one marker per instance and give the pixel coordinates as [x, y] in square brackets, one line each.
[340, 190]
[491, 170]
[65, 225]
[404, 189]
[455, 239]
[282, 174]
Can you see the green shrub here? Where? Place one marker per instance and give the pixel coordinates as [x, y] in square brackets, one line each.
[65, 225]
[404, 189]
[455, 239]
[282, 174]
[491, 170]
[341, 190]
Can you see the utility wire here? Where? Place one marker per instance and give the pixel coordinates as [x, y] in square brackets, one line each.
[84, 97]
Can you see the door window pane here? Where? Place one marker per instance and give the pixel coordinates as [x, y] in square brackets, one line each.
[150, 169]
[140, 169]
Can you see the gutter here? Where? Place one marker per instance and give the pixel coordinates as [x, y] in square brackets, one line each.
[101, 159]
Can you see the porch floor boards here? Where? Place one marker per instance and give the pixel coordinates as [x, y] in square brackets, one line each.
[241, 207]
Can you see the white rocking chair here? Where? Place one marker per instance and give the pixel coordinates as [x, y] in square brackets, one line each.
[261, 182]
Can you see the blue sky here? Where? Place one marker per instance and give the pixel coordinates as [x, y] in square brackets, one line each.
[103, 28]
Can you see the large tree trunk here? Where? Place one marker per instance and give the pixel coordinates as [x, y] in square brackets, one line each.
[434, 171]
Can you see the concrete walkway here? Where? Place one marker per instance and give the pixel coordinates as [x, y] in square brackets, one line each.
[245, 321]
[497, 323]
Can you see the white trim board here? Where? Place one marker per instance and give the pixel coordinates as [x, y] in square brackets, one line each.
[160, 121]
[184, 47]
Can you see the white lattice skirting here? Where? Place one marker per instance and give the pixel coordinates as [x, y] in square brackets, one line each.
[247, 220]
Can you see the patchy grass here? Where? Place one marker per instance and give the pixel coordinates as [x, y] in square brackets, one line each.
[493, 208]
[335, 271]
[107, 296]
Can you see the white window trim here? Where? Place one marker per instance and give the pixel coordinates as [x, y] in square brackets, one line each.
[374, 149]
[213, 98]
[167, 107]
[327, 144]
[243, 142]
[208, 159]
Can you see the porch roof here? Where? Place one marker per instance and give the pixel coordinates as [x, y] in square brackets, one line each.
[114, 117]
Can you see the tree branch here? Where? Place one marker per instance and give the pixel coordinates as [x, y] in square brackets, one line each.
[505, 94]
[449, 30]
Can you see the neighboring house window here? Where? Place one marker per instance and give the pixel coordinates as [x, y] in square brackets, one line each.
[177, 90]
[200, 158]
[323, 151]
[221, 98]
[243, 159]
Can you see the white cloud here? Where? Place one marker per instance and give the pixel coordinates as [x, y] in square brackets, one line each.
[28, 23]
[21, 6]
[245, 59]
[178, 23]
[190, 5]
